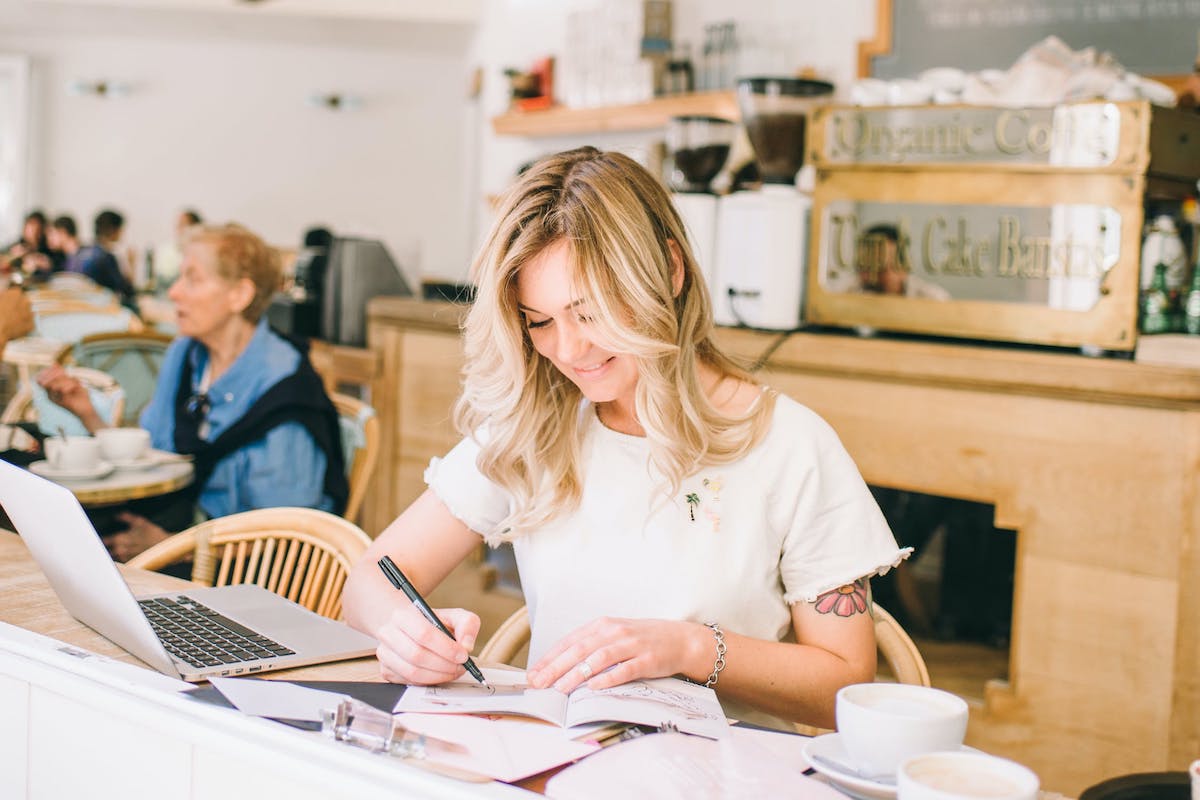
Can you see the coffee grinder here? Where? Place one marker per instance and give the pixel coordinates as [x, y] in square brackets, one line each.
[762, 235]
[700, 146]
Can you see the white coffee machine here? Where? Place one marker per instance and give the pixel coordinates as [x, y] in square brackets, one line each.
[699, 146]
[762, 235]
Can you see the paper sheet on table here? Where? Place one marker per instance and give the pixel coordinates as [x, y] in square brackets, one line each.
[673, 766]
[276, 699]
[502, 749]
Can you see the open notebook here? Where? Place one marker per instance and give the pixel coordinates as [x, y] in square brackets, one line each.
[661, 702]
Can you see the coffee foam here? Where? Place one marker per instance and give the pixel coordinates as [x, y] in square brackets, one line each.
[968, 780]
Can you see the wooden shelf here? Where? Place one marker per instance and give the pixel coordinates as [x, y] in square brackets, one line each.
[651, 114]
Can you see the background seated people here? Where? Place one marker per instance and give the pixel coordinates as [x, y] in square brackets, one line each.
[883, 270]
[31, 253]
[242, 399]
[663, 505]
[63, 236]
[169, 255]
[98, 260]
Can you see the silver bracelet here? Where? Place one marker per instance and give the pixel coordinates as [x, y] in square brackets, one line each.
[720, 662]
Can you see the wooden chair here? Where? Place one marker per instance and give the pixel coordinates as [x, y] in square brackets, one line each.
[32, 404]
[299, 553]
[133, 359]
[360, 447]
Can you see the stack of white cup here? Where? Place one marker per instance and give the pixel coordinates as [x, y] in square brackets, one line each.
[916, 733]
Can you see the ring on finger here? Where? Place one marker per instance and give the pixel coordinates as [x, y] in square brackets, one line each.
[585, 669]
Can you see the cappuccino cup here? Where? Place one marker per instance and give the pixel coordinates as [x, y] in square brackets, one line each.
[72, 453]
[881, 725]
[123, 444]
[964, 776]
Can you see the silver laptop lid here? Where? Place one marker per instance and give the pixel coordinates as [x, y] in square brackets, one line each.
[67, 548]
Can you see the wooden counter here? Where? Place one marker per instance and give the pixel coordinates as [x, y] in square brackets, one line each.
[1094, 462]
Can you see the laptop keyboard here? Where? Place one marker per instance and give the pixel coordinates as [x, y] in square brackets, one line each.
[194, 633]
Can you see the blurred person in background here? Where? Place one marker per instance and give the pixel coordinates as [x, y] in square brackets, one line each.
[240, 398]
[98, 260]
[169, 255]
[31, 252]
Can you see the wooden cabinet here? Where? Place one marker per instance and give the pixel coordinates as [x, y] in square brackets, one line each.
[1091, 461]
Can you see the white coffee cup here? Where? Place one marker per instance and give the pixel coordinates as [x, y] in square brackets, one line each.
[964, 776]
[1194, 772]
[72, 453]
[123, 444]
[883, 724]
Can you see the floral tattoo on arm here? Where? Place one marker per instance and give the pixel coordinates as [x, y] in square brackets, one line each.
[846, 601]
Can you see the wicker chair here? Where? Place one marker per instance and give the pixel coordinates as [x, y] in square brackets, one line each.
[30, 403]
[300, 553]
[133, 359]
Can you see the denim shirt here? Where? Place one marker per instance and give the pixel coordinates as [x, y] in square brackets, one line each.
[285, 468]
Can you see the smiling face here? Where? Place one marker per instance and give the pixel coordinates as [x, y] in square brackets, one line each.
[206, 302]
[561, 330]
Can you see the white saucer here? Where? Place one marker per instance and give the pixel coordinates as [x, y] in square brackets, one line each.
[145, 461]
[44, 469]
[830, 746]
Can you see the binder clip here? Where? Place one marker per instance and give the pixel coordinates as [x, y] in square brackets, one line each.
[361, 725]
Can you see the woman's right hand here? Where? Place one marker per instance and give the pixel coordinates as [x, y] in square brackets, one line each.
[412, 650]
[68, 392]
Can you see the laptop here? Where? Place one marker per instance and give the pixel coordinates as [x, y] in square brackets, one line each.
[193, 634]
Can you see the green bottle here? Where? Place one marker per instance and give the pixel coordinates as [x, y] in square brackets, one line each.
[1191, 303]
[1156, 303]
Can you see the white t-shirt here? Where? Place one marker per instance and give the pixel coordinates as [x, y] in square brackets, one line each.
[736, 544]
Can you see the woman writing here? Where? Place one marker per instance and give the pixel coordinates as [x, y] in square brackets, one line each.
[243, 400]
[661, 504]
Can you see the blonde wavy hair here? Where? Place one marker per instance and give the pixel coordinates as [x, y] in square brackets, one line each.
[625, 239]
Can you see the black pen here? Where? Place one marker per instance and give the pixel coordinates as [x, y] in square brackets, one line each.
[402, 583]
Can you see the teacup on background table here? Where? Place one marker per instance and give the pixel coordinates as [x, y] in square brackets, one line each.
[881, 725]
[72, 453]
[964, 776]
[123, 445]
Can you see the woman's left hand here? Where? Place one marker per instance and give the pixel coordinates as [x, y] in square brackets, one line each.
[608, 652]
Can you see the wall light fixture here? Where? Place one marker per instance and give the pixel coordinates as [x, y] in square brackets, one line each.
[99, 88]
[335, 101]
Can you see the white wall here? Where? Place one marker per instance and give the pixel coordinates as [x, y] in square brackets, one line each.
[217, 117]
[819, 34]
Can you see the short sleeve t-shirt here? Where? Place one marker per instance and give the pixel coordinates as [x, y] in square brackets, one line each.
[737, 543]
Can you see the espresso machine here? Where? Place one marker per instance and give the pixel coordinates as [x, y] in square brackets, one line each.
[699, 146]
[762, 235]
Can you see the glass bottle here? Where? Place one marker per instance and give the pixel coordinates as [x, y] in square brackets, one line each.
[1191, 305]
[1156, 311]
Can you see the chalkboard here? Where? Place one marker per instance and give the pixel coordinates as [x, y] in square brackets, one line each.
[1150, 37]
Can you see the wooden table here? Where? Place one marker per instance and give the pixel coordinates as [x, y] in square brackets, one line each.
[126, 485]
